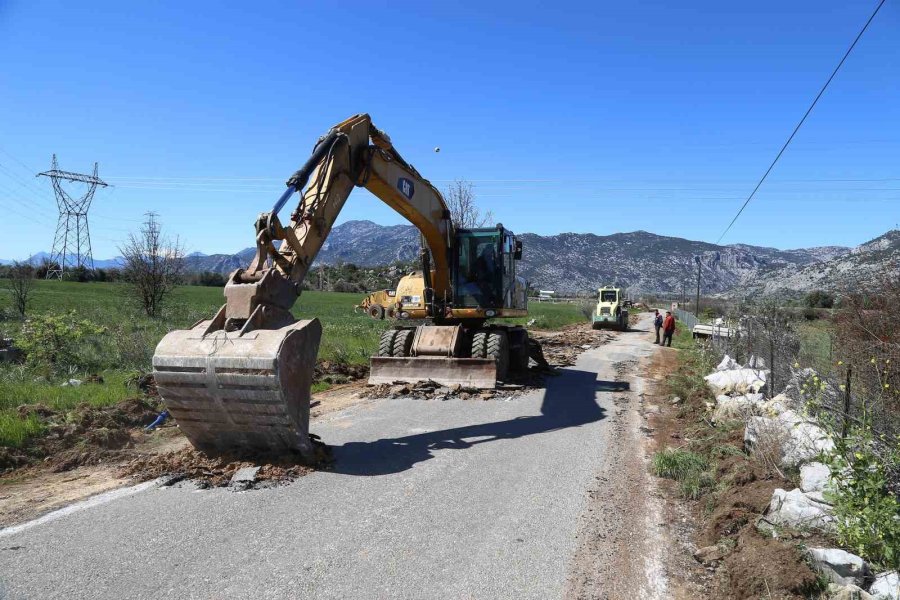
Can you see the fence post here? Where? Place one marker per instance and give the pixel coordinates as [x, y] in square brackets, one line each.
[846, 425]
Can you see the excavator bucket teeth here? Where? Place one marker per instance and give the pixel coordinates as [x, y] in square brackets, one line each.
[467, 372]
[233, 393]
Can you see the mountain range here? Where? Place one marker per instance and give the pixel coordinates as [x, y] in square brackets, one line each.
[641, 261]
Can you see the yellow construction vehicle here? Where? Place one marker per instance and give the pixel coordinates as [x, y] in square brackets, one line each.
[241, 380]
[611, 310]
[379, 304]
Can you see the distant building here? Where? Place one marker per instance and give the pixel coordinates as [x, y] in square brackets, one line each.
[546, 295]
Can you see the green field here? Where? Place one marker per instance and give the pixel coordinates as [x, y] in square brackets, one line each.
[125, 350]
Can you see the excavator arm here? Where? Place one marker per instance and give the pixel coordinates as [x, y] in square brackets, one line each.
[241, 381]
[342, 159]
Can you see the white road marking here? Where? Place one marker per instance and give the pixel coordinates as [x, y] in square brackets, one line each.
[91, 502]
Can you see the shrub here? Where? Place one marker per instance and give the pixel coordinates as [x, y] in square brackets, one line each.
[867, 513]
[55, 342]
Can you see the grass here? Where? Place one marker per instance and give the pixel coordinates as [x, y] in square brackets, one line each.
[127, 347]
[677, 463]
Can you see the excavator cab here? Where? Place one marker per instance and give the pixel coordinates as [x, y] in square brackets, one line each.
[484, 270]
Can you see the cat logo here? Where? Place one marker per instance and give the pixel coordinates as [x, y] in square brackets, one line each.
[406, 187]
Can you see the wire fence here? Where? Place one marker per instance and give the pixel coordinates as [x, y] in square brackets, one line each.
[845, 371]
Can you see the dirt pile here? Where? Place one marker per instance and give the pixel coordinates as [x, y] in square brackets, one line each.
[217, 471]
[86, 434]
[338, 372]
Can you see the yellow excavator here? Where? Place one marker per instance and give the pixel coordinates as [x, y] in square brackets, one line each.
[240, 382]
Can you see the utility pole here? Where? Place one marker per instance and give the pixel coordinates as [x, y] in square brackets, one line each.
[697, 304]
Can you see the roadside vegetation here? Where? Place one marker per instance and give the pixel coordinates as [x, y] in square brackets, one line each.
[840, 366]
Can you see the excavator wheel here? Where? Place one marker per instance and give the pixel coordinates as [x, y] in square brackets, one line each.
[497, 347]
[479, 343]
[402, 343]
[518, 350]
[386, 345]
[376, 311]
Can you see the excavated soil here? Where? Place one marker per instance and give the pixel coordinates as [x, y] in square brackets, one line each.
[217, 471]
[767, 568]
[84, 435]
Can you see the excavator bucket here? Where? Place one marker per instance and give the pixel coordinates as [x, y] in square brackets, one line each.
[233, 392]
[467, 372]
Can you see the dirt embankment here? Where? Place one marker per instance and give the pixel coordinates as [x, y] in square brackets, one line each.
[721, 555]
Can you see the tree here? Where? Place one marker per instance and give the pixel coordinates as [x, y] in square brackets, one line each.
[153, 265]
[460, 198]
[21, 285]
[819, 299]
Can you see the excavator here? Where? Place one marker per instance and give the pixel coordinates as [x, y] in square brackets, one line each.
[241, 381]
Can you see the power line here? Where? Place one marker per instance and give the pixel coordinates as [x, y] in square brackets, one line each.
[797, 128]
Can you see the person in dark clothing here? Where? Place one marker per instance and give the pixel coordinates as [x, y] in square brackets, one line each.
[668, 329]
[657, 323]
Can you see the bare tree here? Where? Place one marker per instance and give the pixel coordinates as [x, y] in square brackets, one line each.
[153, 265]
[21, 285]
[460, 198]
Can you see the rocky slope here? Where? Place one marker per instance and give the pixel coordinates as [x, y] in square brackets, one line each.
[570, 262]
[860, 267]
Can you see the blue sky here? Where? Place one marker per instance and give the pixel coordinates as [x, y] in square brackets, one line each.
[598, 117]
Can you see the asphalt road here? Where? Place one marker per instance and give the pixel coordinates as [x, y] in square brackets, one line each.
[427, 499]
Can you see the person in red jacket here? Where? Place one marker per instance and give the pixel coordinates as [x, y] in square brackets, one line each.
[668, 329]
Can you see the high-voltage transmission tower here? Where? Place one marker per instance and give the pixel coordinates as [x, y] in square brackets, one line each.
[72, 242]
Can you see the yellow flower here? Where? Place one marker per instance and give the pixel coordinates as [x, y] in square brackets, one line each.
[840, 362]
[872, 361]
[887, 385]
[842, 387]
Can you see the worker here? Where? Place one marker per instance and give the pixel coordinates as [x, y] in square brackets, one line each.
[657, 323]
[668, 329]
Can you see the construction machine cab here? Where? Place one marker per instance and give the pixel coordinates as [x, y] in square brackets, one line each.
[484, 270]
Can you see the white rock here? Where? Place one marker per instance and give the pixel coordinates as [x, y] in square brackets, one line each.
[756, 362]
[736, 381]
[727, 364]
[839, 566]
[814, 477]
[775, 406]
[887, 585]
[797, 440]
[794, 509]
[837, 591]
[71, 382]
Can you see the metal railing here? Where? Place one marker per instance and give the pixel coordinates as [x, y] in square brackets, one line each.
[686, 318]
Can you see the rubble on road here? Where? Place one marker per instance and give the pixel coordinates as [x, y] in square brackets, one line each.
[242, 472]
[431, 390]
[561, 349]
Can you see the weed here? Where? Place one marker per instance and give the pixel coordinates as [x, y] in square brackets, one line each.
[677, 463]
